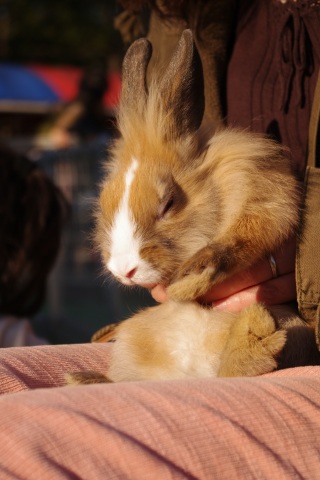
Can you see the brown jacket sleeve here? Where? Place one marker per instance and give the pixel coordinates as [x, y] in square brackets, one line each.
[308, 254]
[308, 251]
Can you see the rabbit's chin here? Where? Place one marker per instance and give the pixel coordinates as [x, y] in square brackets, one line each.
[130, 283]
[144, 283]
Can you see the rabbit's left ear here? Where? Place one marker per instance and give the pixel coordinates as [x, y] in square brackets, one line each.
[134, 68]
[182, 88]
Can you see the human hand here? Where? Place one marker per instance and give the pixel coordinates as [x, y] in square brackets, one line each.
[255, 284]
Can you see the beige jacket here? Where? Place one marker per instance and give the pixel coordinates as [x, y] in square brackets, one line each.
[308, 251]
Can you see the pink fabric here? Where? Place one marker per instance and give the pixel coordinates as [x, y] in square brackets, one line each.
[266, 427]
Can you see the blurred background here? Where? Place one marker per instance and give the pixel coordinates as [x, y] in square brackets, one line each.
[59, 88]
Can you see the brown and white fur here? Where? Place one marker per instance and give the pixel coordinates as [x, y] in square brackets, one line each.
[187, 208]
[180, 206]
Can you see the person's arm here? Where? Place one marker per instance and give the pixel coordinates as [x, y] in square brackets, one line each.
[308, 252]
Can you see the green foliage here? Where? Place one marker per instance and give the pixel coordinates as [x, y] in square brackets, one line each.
[62, 31]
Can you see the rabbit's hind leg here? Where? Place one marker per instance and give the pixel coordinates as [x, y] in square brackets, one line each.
[85, 378]
[254, 344]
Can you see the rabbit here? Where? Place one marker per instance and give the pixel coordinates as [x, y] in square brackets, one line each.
[185, 340]
[188, 206]
[181, 206]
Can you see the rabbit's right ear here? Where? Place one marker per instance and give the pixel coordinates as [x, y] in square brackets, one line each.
[134, 86]
[182, 88]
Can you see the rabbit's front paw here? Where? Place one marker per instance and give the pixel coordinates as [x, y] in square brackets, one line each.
[195, 277]
[202, 260]
[190, 287]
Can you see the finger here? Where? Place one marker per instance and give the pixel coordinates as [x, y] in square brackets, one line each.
[273, 292]
[159, 293]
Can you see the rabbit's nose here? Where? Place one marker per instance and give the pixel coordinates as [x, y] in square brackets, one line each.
[131, 273]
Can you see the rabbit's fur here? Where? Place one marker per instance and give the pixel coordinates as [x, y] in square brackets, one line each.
[185, 340]
[181, 208]
[187, 209]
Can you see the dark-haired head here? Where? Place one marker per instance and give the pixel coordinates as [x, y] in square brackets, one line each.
[32, 213]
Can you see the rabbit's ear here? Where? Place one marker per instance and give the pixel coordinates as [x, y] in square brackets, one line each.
[182, 87]
[134, 85]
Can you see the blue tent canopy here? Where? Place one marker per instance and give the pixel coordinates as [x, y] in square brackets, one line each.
[21, 84]
[42, 87]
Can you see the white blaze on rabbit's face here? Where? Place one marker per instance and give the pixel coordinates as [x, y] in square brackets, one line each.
[125, 262]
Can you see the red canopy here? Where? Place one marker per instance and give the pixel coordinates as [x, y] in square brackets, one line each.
[48, 85]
